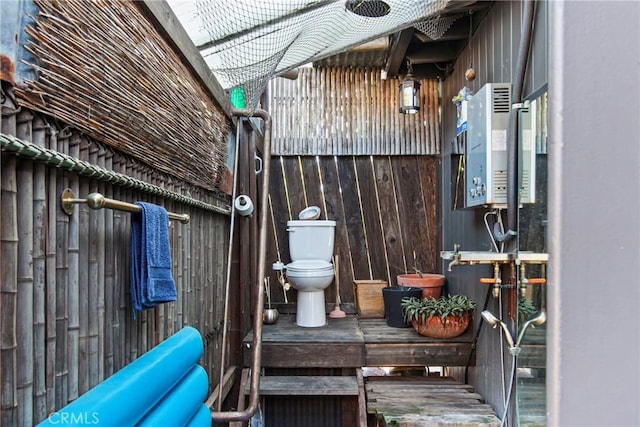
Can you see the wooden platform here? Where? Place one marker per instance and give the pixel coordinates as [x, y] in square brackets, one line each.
[426, 402]
[352, 342]
[294, 355]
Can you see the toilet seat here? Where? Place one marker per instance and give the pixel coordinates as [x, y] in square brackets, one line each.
[309, 265]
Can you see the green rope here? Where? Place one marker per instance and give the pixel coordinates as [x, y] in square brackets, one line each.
[20, 148]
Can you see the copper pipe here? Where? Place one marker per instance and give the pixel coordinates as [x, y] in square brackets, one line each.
[98, 201]
[262, 261]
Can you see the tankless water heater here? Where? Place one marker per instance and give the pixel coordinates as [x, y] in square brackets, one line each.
[486, 148]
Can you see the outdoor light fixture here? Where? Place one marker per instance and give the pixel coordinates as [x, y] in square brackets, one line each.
[409, 93]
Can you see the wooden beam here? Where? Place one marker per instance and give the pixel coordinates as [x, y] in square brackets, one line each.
[418, 354]
[433, 53]
[227, 383]
[244, 381]
[310, 355]
[362, 400]
[398, 49]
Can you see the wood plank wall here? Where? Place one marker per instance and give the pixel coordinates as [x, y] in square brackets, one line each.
[385, 208]
[350, 111]
[67, 321]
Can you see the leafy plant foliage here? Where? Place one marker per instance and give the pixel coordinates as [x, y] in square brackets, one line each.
[450, 305]
[526, 309]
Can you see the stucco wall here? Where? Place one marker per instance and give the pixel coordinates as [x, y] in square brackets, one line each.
[594, 176]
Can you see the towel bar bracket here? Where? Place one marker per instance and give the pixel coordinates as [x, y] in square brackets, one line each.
[67, 201]
[97, 201]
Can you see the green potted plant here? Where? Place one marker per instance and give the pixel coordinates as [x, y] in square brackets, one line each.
[443, 317]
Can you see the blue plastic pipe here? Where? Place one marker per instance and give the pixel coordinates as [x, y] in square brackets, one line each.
[128, 395]
[202, 418]
[181, 403]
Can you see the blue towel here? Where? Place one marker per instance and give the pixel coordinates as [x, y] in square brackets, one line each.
[151, 280]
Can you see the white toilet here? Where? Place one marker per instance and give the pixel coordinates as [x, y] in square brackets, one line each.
[311, 271]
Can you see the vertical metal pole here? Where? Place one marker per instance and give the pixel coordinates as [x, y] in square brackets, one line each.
[256, 345]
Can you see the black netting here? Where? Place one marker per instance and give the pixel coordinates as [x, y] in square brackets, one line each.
[436, 26]
[250, 41]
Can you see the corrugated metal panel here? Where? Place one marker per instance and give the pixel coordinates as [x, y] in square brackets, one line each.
[347, 111]
[16, 15]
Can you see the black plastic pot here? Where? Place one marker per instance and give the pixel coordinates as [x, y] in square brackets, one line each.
[393, 296]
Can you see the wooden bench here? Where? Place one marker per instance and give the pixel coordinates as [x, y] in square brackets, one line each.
[164, 386]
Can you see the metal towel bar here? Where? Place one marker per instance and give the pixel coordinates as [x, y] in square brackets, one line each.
[98, 201]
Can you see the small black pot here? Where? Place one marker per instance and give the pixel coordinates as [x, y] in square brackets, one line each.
[393, 296]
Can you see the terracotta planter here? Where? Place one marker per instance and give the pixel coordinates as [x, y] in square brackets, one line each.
[435, 327]
[431, 284]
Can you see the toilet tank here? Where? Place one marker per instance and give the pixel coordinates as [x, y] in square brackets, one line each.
[311, 239]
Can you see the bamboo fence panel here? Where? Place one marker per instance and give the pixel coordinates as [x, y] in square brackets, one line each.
[74, 305]
[123, 225]
[8, 282]
[85, 277]
[349, 111]
[62, 289]
[67, 321]
[109, 314]
[384, 207]
[39, 276]
[50, 286]
[98, 259]
[24, 318]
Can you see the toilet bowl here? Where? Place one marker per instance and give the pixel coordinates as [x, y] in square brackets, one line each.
[310, 279]
[310, 272]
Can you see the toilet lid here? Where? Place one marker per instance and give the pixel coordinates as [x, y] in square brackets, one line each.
[307, 265]
[312, 212]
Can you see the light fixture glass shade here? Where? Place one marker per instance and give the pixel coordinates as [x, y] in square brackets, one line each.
[409, 95]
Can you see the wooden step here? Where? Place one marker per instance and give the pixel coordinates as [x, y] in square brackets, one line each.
[299, 385]
[307, 386]
[426, 401]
